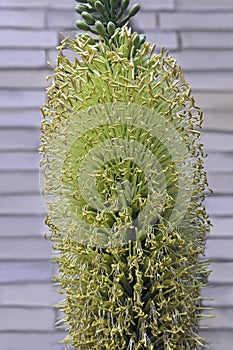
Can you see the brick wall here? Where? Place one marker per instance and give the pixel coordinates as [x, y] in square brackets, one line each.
[200, 35]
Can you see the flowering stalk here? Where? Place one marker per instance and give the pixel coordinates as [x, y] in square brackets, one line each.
[125, 185]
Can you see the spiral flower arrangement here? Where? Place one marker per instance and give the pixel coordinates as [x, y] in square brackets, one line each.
[124, 184]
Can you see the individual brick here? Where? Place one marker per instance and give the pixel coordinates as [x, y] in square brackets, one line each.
[217, 141]
[155, 5]
[25, 249]
[22, 18]
[22, 205]
[19, 139]
[218, 121]
[25, 117]
[222, 273]
[219, 249]
[216, 293]
[222, 318]
[21, 99]
[146, 21]
[211, 81]
[28, 341]
[61, 18]
[26, 226]
[21, 319]
[29, 294]
[221, 184]
[218, 338]
[10, 38]
[22, 272]
[168, 40]
[22, 58]
[205, 60]
[214, 101]
[219, 206]
[37, 4]
[19, 182]
[207, 40]
[201, 5]
[198, 21]
[21, 78]
[222, 227]
[19, 160]
[219, 162]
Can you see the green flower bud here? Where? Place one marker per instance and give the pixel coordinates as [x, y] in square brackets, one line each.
[88, 18]
[124, 5]
[100, 28]
[111, 28]
[82, 25]
[99, 7]
[136, 40]
[81, 8]
[134, 10]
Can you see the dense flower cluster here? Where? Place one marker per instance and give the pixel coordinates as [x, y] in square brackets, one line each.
[145, 292]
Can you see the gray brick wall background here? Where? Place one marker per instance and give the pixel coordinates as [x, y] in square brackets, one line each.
[199, 33]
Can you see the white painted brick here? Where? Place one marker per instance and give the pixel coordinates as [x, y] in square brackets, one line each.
[22, 58]
[199, 5]
[189, 21]
[220, 205]
[207, 40]
[21, 139]
[19, 182]
[21, 272]
[37, 4]
[29, 39]
[204, 60]
[222, 296]
[219, 162]
[222, 272]
[211, 81]
[217, 141]
[29, 341]
[222, 227]
[214, 101]
[16, 204]
[221, 184]
[20, 117]
[155, 5]
[23, 98]
[61, 19]
[35, 294]
[22, 18]
[219, 339]
[144, 21]
[27, 249]
[168, 40]
[26, 319]
[24, 78]
[220, 249]
[32, 226]
[223, 318]
[219, 121]
[19, 160]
